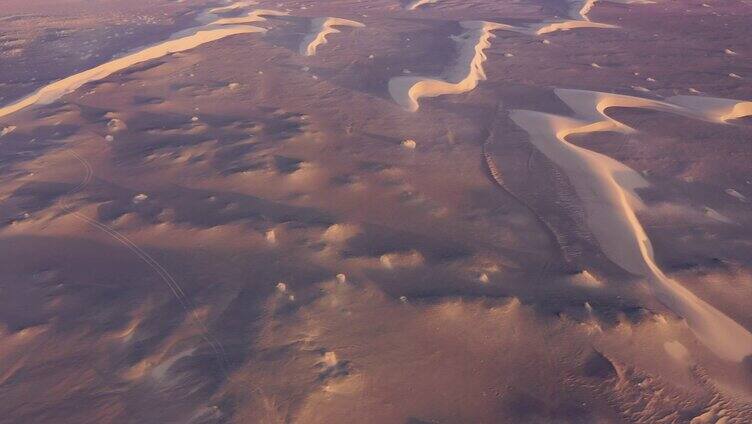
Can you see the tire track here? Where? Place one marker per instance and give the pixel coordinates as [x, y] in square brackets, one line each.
[175, 288]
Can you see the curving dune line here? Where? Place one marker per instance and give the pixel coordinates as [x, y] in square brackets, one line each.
[579, 9]
[592, 105]
[468, 71]
[606, 188]
[712, 108]
[320, 28]
[213, 30]
[547, 28]
[461, 78]
[418, 3]
[257, 15]
[578, 12]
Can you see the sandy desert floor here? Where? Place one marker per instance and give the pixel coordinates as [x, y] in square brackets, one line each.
[383, 211]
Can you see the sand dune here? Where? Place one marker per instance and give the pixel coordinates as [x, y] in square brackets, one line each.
[257, 15]
[712, 108]
[579, 9]
[461, 78]
[548, 28]
[593, 104]
[468, 71]
[184, 40]
[578, 12]
[606, 189]
[320, 28]
[418, 3]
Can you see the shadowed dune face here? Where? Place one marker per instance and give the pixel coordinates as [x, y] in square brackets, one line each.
[384, 212]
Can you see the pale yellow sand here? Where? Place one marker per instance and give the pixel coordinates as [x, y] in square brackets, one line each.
[461, 78]
[418, 3]
[714, 109]
[257, 15]
[185, 40]
[592, 105]
[579, 9]
[566, 26]
[606, 189]
[320, 28]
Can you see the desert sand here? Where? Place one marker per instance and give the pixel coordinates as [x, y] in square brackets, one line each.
[213, 30]
[414, 4]
[320, 29]
[607, 190]
[388, 211]
[461, 78]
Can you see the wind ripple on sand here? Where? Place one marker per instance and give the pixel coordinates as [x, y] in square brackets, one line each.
[606, 189]
[461, 78]
[188, 39]
[320, 28]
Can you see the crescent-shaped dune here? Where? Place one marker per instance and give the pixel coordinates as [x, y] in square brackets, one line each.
[547, 28]
[320, 28]
[713, 108]
[579, 9]
[181, 41]
[606, 189]
[468, 71]
[578, 12]
[592, 105]
[418, 3]
[257, 15]
[461, 78]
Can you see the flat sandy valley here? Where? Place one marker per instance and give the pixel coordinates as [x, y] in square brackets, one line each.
[381, 211]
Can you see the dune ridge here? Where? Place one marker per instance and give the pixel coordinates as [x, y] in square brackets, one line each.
[548, 28]
[468, 71]
[713, 108]
[578, 14]
[579, 9]
[461, 78]
[214, 29]
[320, 28]
[418, 3]
[592, 105]
[607, 187]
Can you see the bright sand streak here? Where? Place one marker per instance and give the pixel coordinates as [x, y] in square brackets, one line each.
[606, 188]
[463, 77]
[418, 3]
[320, 28]
[182, 41]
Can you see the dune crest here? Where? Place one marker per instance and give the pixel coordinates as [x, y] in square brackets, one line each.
[418, 3]
[592, 105]
[461, 78]
[547, 28]
[713, 108]
[579, 9]
[468, 71]
[606, 189]
[578, 14]
[257, 15]
[188, 39]
[320, 28]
